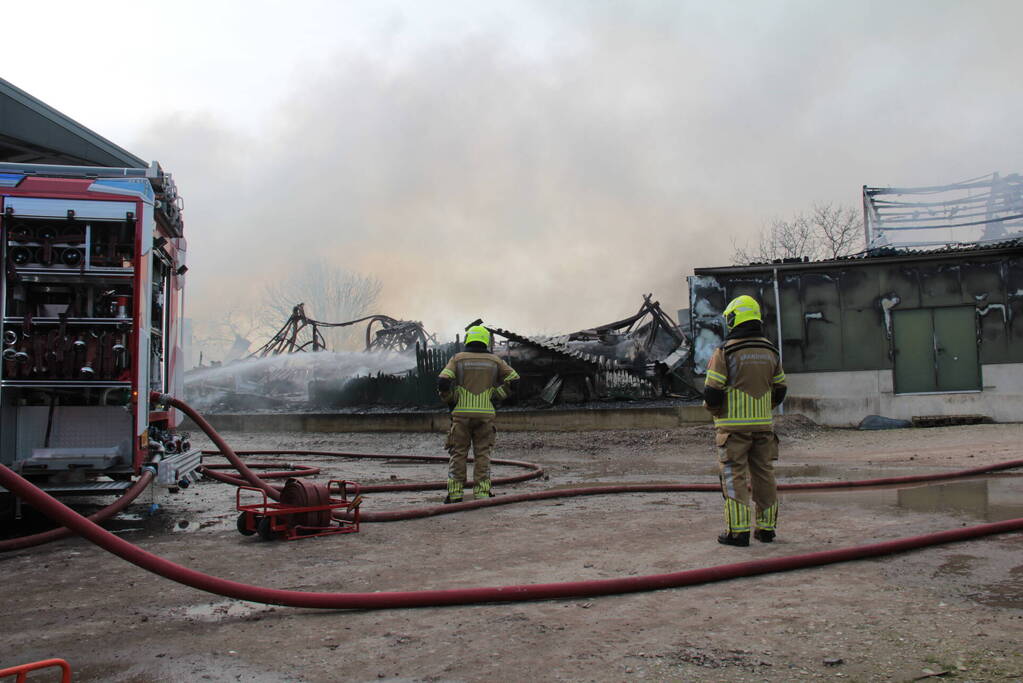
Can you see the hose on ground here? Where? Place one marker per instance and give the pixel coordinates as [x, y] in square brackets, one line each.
[272, 492]
[289, 471]
[404, 599]
[535, 471]
[126, 499]
[507, 499]
[461, 596]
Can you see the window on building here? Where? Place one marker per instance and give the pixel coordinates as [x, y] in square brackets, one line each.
[936, 350]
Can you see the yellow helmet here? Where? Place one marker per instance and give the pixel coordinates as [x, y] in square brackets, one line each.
[478, 333]
[741, 309]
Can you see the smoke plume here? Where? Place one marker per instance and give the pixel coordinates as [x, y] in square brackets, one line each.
[545, 190]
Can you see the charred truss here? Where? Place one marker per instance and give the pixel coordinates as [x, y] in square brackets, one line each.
[395, 335]
[988, 208]
[383, 333]
[631, 357]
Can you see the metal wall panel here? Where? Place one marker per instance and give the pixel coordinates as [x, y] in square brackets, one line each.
[940, 285]
[901, 281]
[863, 346]
[822, 322]
[842, 318]
[1014, 296]
[983, 283]
[859, 288]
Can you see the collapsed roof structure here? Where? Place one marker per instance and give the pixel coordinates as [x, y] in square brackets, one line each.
[984, 209]
[638, 357]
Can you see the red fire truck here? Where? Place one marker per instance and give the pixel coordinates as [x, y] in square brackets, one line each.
[92, 297]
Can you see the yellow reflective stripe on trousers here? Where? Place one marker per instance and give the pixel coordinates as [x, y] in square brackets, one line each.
[768, 519]
[737, 515]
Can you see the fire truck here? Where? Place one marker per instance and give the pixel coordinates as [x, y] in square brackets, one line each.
[92, 294]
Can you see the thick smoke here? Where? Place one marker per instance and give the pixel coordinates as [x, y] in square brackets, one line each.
[545, 191]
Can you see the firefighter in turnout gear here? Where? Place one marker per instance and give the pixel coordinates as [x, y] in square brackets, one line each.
[745, 381]
[469, 383]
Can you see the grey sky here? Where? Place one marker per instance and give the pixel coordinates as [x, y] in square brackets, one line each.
[539, 165]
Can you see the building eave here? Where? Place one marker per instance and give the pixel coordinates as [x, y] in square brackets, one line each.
[33, 132]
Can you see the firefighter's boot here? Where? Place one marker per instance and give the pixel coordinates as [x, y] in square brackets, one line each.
[767, 522]
[482, 489]
[454, 492]
[737, 516]
[732, 538]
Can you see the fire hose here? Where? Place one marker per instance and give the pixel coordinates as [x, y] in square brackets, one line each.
[461, 596]
[534, 472]
[431, 510]
[404, 599]
[99, 516]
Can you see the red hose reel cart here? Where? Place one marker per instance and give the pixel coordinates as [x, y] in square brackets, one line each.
[305, 509]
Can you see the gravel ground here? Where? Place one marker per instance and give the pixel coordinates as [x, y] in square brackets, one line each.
[952, 611]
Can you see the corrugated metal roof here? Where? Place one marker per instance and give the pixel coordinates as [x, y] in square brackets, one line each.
[33, 132]
[878, 255]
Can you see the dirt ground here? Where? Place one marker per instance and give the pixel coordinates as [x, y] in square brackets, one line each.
[953, 611]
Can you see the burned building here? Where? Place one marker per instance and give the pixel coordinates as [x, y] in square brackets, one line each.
[899, 333]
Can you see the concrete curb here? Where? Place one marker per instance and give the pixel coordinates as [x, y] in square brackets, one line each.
[511, 421]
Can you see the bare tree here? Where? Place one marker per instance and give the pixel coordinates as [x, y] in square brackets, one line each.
[840, 229]
[825, 232]
[228, 336]
[330, 294]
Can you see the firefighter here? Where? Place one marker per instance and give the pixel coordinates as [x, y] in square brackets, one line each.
[745, 381]
[468, 384]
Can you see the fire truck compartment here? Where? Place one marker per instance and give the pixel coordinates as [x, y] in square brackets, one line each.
[97, 437]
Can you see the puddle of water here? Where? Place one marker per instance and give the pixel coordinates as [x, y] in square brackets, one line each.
[1008, 593]
[956, 565]
[990, 500]
[837, 473]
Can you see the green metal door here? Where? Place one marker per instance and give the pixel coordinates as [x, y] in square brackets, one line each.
[914, 351]
[936, 350]
[955, 348]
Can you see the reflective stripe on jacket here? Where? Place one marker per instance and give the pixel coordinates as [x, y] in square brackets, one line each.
[747, 370]
[478, 376]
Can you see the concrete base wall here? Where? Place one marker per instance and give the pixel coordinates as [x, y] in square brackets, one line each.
[511, 421]
[842, 399]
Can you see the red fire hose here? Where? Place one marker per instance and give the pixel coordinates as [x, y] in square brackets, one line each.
[67, 517]
[534, 472]
[99, 516]
[404, 599]
[431, 510]
[250, 478]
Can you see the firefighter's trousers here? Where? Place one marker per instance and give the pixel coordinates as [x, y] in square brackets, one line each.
[477, 432]
[746, 460]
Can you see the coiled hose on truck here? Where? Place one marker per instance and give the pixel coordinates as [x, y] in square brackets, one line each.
[404, 599]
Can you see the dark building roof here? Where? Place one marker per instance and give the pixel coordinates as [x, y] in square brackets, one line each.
[33, 132]
[880, 255]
